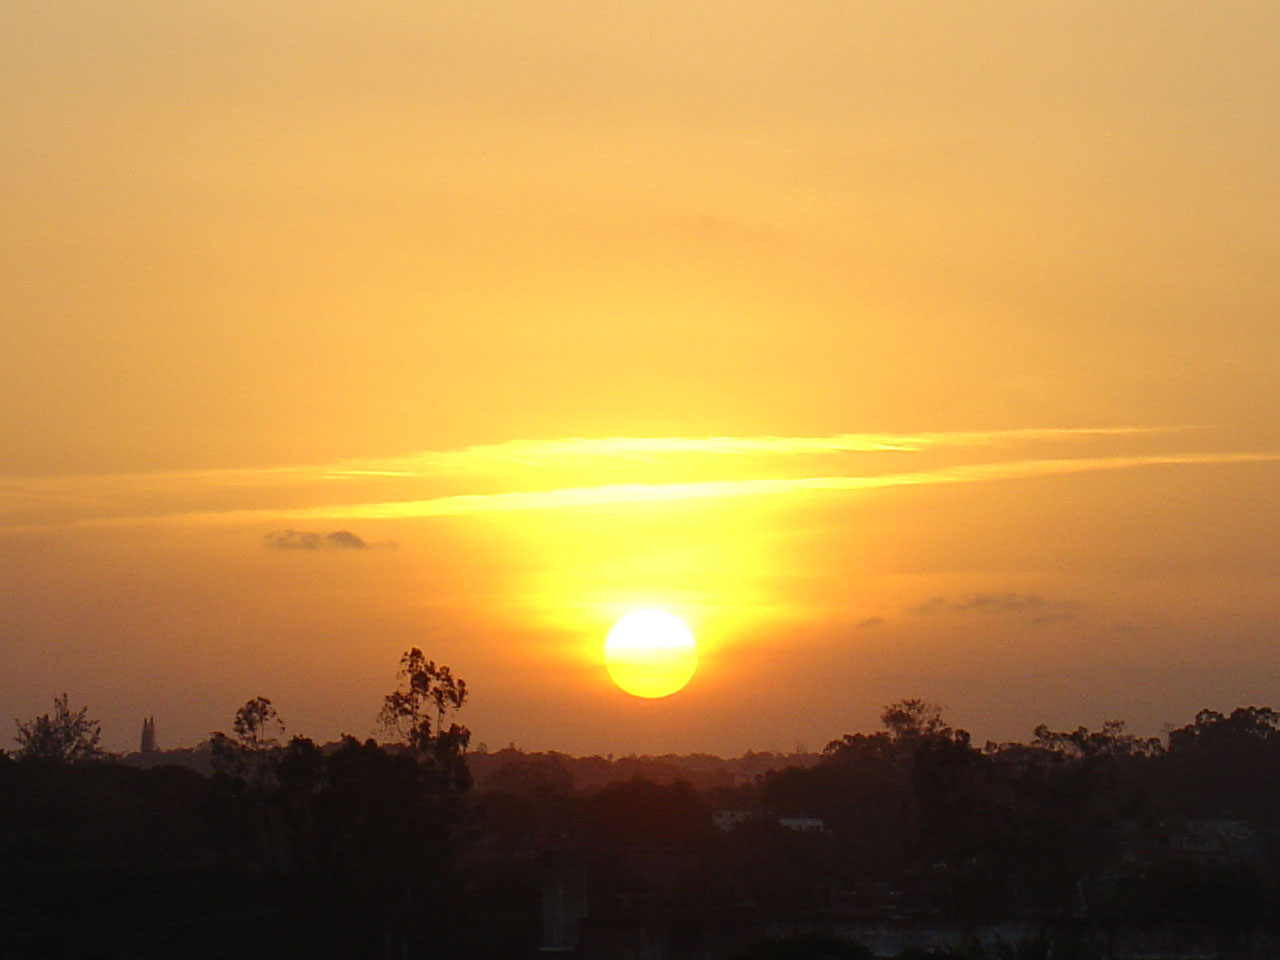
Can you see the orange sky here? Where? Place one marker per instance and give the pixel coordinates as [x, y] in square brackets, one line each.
[905, 349]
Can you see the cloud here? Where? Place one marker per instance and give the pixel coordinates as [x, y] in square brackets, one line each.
[162, 498]
[869, 622]
[608, 494]
[486, 458]
[309, 540]
[528, 452]
[1050, 610]
[294, 540]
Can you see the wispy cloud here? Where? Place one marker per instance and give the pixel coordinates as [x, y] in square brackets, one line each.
[641, 493]
[609, 494]
[307, 495]
[527, 452]
[486, 458]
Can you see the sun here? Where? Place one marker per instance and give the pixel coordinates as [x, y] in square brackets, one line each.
[650, 653]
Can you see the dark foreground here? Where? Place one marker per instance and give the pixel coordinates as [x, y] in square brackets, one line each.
[910, 842]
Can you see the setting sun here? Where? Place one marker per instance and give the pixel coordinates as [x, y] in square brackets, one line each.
[650, 653]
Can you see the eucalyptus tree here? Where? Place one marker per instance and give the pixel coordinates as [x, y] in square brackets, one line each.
[258, 729]
[416, 710]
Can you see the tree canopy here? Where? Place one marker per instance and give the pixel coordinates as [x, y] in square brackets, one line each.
[65, 736]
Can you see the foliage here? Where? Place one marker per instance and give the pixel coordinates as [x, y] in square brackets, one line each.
[364, 834]
[1226, 766]
[356, 849]
[913, 719]
[254, 724]
[66, 736]
[299, 765]
[1083, 744]
[1213, 730]
[257, 729]
[426, 690]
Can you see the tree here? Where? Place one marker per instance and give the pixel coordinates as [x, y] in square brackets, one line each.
[914, 719]
[1226, 766]
[254, 725]
[65, 737]
[425, 688]
[257, 729]
[1246, 726]
[1083, 744]
[300, 767]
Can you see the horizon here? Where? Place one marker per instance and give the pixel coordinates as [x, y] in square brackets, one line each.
[482, 747]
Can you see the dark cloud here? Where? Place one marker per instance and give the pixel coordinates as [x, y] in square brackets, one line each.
[1050, 611]
[294, 540]
[346, 540]
[310, 540]
[869, 622]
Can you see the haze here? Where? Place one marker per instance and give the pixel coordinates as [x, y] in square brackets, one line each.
[903, 349]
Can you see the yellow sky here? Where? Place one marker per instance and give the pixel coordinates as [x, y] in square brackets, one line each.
[906, 349]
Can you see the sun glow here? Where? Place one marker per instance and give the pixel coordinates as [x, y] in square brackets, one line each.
[650, 653]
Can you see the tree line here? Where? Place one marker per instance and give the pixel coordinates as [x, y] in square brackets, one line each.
[286, 848]
[367, 849]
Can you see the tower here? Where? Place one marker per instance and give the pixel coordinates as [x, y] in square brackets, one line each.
[149, 736]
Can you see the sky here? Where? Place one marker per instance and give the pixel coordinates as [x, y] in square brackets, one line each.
[907, 349]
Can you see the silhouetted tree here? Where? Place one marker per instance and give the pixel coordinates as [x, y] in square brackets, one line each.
[65, 736]
[255, 723]
[426, 689]
[1212, 729]
[1071, 798]
[387, 828]
[874, 808]
[257, 729]
[300, 765]
[407, 711]
[359, 838]
[913, 719]
[1082, 744]
[1226, 766]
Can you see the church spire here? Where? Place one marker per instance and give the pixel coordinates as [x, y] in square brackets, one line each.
[149, 736]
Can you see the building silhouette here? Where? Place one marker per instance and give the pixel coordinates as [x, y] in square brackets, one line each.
[148, 747]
